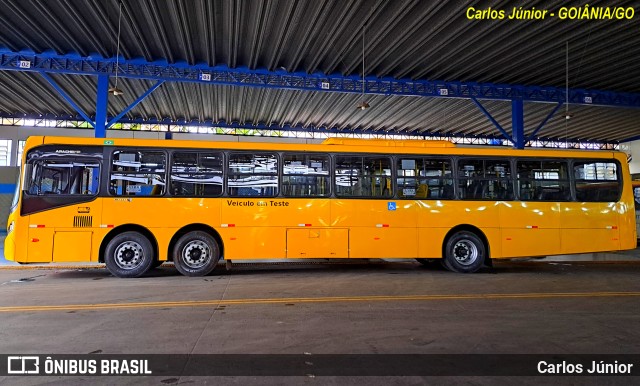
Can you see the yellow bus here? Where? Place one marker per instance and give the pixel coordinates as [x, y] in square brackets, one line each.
[134, 204]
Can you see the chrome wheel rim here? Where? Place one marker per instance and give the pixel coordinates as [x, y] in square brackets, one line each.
[129, 255]
[465, 252]
[196, 254]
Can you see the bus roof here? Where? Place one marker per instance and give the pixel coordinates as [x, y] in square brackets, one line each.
[347, 145]
[387, 142]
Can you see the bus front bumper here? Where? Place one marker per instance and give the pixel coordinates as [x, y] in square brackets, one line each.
[10, 247]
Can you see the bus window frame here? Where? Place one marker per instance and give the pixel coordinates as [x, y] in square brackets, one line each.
[394, 172]
[331, 171]
[223, 155]
[363, 155]
[570, 180]
[159, 149]
[618, 179]
[227, 174]
[512, 178]
[70, 160]
[32, 203]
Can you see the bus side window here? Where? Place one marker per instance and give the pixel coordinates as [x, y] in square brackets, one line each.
[596, 181]
[252, 174]
[543, 180]
[305, 175]
[137, 173]
[358, 176]
[196, 174]
[424, 178]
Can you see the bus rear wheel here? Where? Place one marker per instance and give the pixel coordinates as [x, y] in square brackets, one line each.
[129, 254]
[464, 252]
[196, 254]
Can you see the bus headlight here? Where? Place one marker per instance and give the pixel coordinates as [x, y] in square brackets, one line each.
[10, 227]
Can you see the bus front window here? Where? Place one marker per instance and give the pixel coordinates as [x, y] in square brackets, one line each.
[49, 177]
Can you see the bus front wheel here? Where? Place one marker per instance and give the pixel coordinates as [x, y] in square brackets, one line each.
[464, 252]
[129, 254]
[196, 254]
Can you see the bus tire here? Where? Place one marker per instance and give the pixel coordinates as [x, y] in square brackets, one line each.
[464, 252]
[196, 254]
[129, 254]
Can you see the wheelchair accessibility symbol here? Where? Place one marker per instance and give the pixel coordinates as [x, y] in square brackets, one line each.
[391, 206]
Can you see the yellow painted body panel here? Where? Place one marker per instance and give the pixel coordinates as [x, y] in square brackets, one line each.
[40, 247]
[52, 247]
[256, 243]
[266, 228]
[596, 222]
[531, 229]
[375, 231]
[314, 243]
[81, 242]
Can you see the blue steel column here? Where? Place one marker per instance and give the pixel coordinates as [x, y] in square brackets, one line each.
[101, 106]
[517, 123]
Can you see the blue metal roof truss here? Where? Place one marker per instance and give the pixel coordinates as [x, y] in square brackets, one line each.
[222, 75]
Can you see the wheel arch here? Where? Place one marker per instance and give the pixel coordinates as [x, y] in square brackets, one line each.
[473, 229]
[127, 228]
[191, 228]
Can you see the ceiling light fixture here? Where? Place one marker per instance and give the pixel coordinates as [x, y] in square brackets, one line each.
[115, 91]
[363, 105]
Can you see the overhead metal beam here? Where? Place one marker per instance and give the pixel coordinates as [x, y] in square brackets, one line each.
[544, 122]
[67, 98]
[134, 104]
[630, 139]
[222, 75]
[493, 120]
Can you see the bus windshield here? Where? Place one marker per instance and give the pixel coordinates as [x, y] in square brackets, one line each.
[16, 194]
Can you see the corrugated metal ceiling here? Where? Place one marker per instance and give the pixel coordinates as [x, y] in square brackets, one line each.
[404, 39]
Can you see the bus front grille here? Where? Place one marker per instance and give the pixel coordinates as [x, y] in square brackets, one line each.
[82, 221]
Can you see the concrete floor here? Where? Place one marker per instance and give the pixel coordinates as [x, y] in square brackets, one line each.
[526, 306]
[412, 318]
